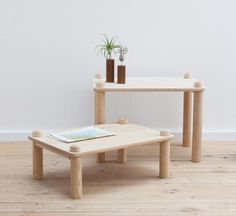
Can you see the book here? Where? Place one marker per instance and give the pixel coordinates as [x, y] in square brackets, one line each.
[81, 134]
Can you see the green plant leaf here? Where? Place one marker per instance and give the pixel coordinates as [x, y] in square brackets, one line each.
[108, 47]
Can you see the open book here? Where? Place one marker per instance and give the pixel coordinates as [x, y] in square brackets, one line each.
[76, 135]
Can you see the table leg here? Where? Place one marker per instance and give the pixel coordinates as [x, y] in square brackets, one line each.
[76, 178]
[37, 162]
[164, 159]
[100, 117]
[187, 119]
[197, 127]
[122, 155]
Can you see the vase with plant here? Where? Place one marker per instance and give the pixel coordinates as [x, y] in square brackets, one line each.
[107, 48]
[121, 74]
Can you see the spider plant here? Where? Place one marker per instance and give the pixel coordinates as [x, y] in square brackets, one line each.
[107, 47]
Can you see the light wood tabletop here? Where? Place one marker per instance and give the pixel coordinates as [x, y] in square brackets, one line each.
[125, 135]
[149, 84]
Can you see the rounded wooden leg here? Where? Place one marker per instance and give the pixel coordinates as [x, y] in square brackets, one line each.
[197, 127]
[76, 178]
[164, 159]
[100, 117]
[122, 153]
[187, 119]
[99, 107]
[37, 162]
[122, 156]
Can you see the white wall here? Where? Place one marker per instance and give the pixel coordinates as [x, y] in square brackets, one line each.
[47, 61]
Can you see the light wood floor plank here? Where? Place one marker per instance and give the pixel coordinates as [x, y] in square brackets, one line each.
[205, 189]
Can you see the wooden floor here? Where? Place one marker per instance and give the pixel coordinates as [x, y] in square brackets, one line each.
[208, 188]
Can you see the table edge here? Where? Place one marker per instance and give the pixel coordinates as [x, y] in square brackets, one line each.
[149, 89]
[69, 154]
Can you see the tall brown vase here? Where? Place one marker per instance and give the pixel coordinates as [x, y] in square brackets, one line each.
[121, 74]
[110, 68]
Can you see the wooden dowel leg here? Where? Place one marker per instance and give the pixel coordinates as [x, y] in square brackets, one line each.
[76, 178]
[100, 117]
[99, 107]
[187, 119]
[164, 159]
[37, 162]
[122, 153]
[197, 127]
[122, 156]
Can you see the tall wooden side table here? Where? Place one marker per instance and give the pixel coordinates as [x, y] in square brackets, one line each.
[190, 88]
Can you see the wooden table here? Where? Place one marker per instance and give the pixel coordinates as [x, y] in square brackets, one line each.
[126, 135]
[188, 86]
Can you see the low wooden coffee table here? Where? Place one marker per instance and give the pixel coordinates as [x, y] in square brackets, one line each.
[126, 135]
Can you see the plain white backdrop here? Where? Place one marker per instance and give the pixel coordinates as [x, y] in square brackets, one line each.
[47, 61]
